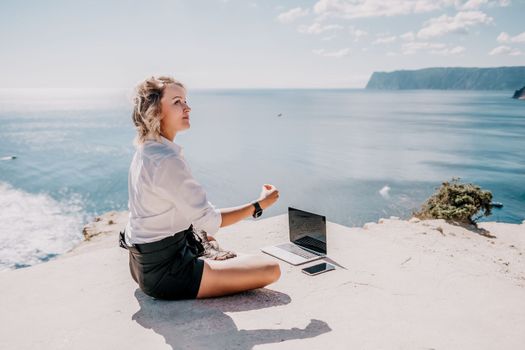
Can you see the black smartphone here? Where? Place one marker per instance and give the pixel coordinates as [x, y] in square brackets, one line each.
[317, 269]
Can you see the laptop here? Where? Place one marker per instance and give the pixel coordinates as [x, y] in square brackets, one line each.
[307, 238]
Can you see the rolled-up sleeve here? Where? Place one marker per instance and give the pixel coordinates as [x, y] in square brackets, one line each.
[173, 181]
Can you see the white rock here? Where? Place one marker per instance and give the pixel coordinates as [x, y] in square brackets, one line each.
[92, 292]
[369, 225]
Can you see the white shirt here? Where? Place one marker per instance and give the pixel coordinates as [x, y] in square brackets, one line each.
[164, 198]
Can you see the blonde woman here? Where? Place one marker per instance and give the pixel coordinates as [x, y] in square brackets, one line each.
[167, 205]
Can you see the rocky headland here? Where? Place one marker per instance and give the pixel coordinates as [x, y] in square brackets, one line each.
[519, 94]
[449, 78]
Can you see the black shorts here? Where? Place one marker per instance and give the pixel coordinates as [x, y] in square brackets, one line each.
[167, 269]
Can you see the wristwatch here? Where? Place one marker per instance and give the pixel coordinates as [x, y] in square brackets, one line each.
[258, 210]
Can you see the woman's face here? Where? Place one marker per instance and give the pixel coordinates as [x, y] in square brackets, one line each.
[174, 110]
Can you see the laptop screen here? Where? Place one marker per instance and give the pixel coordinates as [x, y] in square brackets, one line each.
[307, 229]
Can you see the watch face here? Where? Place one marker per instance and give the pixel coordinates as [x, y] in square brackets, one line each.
[258, 210]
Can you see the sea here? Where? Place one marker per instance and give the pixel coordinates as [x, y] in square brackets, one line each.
[353, 155]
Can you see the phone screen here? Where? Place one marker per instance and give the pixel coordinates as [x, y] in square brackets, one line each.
[318, 268]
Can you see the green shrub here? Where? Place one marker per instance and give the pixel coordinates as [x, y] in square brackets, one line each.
[458, 202]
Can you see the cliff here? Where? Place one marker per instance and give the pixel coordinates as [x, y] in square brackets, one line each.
[397, 285]
[455, 78]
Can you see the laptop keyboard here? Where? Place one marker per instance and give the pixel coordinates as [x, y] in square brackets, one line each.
[308, 241]
[292, 248]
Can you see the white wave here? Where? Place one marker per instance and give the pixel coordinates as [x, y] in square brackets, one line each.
[35, 227]
[385, 192]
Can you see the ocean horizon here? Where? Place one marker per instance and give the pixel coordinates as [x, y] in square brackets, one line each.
[353, 155]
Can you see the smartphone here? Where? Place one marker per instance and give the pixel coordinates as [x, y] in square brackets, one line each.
[317, 269]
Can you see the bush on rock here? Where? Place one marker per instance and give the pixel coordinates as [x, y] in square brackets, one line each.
[457, 202]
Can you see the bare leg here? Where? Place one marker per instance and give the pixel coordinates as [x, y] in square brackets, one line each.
[245, 272]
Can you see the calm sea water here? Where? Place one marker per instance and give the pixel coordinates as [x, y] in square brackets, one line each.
[330, 152]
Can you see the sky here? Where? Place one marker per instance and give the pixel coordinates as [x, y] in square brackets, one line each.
[250, 43]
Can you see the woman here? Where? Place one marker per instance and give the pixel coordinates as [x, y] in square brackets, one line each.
[166, 206]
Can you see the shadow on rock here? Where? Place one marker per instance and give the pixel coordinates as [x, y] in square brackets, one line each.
[475, 229]
[203, 324]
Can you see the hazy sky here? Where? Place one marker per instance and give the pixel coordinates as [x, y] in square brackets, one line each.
[252, 43]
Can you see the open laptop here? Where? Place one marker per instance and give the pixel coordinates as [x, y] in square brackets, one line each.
[307, 238]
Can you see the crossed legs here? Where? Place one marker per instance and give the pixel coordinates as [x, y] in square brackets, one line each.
[245, 272]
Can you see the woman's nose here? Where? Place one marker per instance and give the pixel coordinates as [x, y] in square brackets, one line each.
[187, 107]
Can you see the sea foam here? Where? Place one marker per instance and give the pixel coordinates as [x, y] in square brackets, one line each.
[35, 227]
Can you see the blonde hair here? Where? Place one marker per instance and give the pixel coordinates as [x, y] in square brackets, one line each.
[146, 114]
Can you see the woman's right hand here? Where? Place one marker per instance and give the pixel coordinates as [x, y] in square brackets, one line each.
[269, 196]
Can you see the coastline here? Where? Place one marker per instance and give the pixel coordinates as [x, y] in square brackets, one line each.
[397, 284]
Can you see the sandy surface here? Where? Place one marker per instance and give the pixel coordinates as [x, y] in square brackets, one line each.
[398, 285]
